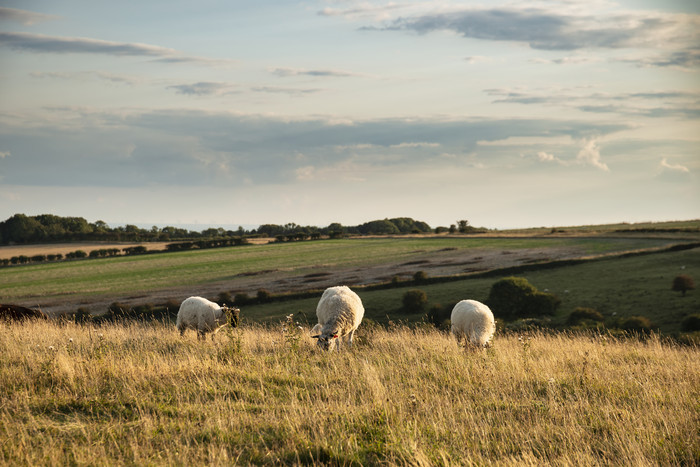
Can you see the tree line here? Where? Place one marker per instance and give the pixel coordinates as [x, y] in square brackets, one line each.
[48, 228]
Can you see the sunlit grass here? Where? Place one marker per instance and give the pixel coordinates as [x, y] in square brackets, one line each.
[141, 395]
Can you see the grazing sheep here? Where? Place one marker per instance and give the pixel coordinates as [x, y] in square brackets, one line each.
[339, 313]
[204, 316]
[474, 321]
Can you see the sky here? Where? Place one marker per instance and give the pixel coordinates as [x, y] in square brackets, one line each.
[505, 113]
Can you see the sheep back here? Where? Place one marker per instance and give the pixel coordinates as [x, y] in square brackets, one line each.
[200, 314]
[339, 311]
[474, 320]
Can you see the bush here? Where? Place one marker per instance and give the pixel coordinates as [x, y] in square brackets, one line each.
[224, 298]
[82, 316]
[515, 298]
[173, 306]
[241, 299]
[639, 324]
[529, 324]
[420, 276]
[414, 301]
[119, 310]
[584, 314]
[691, 323]
[437, 315]
[682, 284]
[263, 296]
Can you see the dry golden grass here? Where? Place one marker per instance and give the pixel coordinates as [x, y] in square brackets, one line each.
[141, 395]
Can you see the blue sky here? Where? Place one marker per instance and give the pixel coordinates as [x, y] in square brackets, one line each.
[508, 114]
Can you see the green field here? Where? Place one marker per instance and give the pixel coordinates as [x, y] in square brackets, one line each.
[620, 286]
[132, 275]
[630, 286]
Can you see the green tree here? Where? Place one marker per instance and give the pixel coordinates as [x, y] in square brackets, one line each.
[463, 226]
[682, 284]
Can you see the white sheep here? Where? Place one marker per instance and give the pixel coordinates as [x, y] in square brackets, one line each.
[203, 316]
[474, 321]
[339, 314]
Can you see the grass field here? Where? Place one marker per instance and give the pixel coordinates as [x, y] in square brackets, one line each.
[134, 275]
[630, 286]
[141, 395]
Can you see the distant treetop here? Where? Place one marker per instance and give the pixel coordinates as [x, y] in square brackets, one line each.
[46, 228]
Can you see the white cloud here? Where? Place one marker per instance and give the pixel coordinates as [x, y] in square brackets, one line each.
[665, 165]
[475, 59]
[41, 43]
[4, 154]
[285, 90]
[555, 29]
[54, 44]
[366, 10]
[87, 75]
[204, 89]
[570, 60]
[590, 155]
[27, 18]
[286, 72]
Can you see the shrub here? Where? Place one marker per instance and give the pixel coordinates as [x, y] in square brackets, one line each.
[691, 323]
[76, 254]
[144, 310]
[682, 284]
[515, 297]
[529, 324]
[119, 310]
[82, 316]
[241, 299]
[263, 296]
[584, 314]
[636, 323]
[224, 298]
[414, 301]
[420, 276]
[172, 306]
[437, 315]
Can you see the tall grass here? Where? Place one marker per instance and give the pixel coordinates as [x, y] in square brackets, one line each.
[139, 394]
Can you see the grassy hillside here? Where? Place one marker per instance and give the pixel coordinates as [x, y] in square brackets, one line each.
[621, 228]
[141, 395]
[135, 275]
[629, 286]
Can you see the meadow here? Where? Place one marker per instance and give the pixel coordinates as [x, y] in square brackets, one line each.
[636, 285]
[139, 394]
[115, 278]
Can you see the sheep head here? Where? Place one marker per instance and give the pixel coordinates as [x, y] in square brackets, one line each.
[231, 315]
[324, 341]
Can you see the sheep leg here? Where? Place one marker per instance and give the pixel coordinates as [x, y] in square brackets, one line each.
[349, 338]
